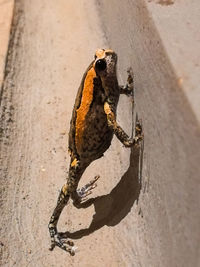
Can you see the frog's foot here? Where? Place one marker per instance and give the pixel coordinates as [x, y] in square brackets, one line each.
[63, 243]
[130, 80]
[79, 197]
[86, 190]
[139, 135]
[128, 89]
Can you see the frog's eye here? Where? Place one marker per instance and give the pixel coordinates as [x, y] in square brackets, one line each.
[100, 64]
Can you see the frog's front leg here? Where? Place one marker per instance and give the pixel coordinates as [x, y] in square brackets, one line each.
[119, 132]
[128, 89]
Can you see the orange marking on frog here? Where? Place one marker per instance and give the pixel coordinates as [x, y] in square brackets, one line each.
[107, 108]
[86, 100]
[74, 163]
[100, 53]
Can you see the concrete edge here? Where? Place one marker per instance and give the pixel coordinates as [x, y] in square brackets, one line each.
[6, 15]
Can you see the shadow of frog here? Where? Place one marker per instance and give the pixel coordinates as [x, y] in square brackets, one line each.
[110, 209]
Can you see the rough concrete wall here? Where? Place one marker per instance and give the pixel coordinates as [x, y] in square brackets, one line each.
[127, 225]
[168, 233]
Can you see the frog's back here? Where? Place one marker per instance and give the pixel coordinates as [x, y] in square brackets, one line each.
[90, 135]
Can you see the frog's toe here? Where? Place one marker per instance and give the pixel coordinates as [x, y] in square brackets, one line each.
[63, 243]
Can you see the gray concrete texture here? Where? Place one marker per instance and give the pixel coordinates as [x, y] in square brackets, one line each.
[161, 44]
[146, 211]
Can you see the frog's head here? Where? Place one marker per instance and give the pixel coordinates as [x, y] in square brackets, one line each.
[105, 61]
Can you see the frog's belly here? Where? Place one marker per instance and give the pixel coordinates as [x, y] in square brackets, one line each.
[97, 136]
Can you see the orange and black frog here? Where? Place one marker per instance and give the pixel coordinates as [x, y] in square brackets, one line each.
[92, 127]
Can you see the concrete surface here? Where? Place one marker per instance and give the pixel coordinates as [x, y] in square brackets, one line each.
[170, 225]
[149, 222]
[180, 35]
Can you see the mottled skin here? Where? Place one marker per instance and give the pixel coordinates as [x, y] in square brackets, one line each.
[92, 127]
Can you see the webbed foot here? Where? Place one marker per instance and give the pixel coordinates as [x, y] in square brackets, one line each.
[86, 190]
[80, 195]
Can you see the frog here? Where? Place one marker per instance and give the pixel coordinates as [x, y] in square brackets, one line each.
[92, 127]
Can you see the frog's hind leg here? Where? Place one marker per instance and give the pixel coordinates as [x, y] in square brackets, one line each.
[75, 172]
[55, 237]
[78, 195]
